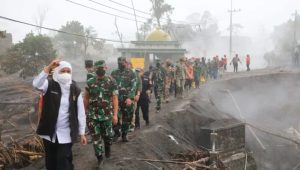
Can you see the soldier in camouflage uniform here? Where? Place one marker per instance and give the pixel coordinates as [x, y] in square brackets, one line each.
[127, 85]
[159, 80]
[137, 96]
[168, 80]
[180, 78]
[197, 72]
[101, 103]
[90, 70]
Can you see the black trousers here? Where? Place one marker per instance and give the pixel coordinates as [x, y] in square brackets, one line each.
[197, 82]
[188, 84]
[248, 67]
[58, 156]
[144, 105]
[235, 68]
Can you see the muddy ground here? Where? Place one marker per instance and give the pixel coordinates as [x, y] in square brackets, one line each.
[275, 109]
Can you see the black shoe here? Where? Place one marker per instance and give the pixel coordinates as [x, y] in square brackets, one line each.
[100, 162]
[107, 151]
[116, 137]
[124, 138]
[147, 123]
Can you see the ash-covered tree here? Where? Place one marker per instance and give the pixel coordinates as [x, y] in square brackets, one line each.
[145, 28]
[200, 35]
[74, 46]
[283, 38]
[70, 44]
[160, 9]
[29, 56]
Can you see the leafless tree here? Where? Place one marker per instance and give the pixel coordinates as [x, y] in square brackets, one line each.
[40, 18]
[120, 35]
[89, 33]
[159, 9]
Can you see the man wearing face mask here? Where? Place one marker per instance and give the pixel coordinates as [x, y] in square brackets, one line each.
[168, 80]
[180, 77]
[159, 75]
[101, 103]
[62, 117]
[127, 86]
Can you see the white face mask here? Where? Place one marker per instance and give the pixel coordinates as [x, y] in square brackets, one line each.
[64, 78]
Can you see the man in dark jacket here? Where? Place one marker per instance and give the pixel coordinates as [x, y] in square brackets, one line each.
[143, 102]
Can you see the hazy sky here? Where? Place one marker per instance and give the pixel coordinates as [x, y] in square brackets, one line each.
[255, 15]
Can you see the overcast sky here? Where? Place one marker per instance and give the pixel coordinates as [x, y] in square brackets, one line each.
[255, 15]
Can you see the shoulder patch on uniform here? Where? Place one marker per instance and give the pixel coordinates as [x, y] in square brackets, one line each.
[91, 80]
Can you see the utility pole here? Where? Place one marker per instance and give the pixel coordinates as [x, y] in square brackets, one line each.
[230, 27]
[136, 24]
[118, 32]
[295, 28]
[295, 57]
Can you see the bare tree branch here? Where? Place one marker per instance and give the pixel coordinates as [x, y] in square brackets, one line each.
[118, 32]
[40, 18]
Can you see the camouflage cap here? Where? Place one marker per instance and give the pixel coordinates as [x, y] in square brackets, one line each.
[100, 63]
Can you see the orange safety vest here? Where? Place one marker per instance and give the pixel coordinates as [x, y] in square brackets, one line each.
[247, 60]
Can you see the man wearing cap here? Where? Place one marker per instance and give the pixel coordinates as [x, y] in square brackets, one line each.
[101, 104]
[180, 77]
[159, 75]
[89, 68]
[168, 79]
[137, 96]
[127, 87]
[197, 72]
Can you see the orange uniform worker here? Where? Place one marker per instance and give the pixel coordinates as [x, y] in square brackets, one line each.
[248, 62]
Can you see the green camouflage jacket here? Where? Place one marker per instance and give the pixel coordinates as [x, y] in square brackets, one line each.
[126, 82]
[159, 76]
[100, 93]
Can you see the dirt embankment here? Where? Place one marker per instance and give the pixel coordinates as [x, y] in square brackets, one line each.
[269, 101]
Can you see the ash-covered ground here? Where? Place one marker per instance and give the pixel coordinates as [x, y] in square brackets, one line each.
[267, 99]
[269, 102]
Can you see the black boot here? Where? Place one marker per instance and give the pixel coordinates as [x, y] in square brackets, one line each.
[115, 139]
[124, 137]
[107, 150]
[116, 136]
[100, 162]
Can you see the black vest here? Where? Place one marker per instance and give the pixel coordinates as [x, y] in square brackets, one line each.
[51, 104]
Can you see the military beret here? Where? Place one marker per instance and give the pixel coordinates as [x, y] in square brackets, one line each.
[100, 63]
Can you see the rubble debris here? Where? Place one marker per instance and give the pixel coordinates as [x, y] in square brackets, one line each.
[191, 160]
[21, 152]
[196, 160]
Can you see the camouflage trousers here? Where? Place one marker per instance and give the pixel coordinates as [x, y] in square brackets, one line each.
[167, 89]
[158, 92]
[125, 117]
[180, 87]
[102, 134]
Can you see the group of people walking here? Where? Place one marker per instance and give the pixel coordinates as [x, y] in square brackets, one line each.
[110, 104]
